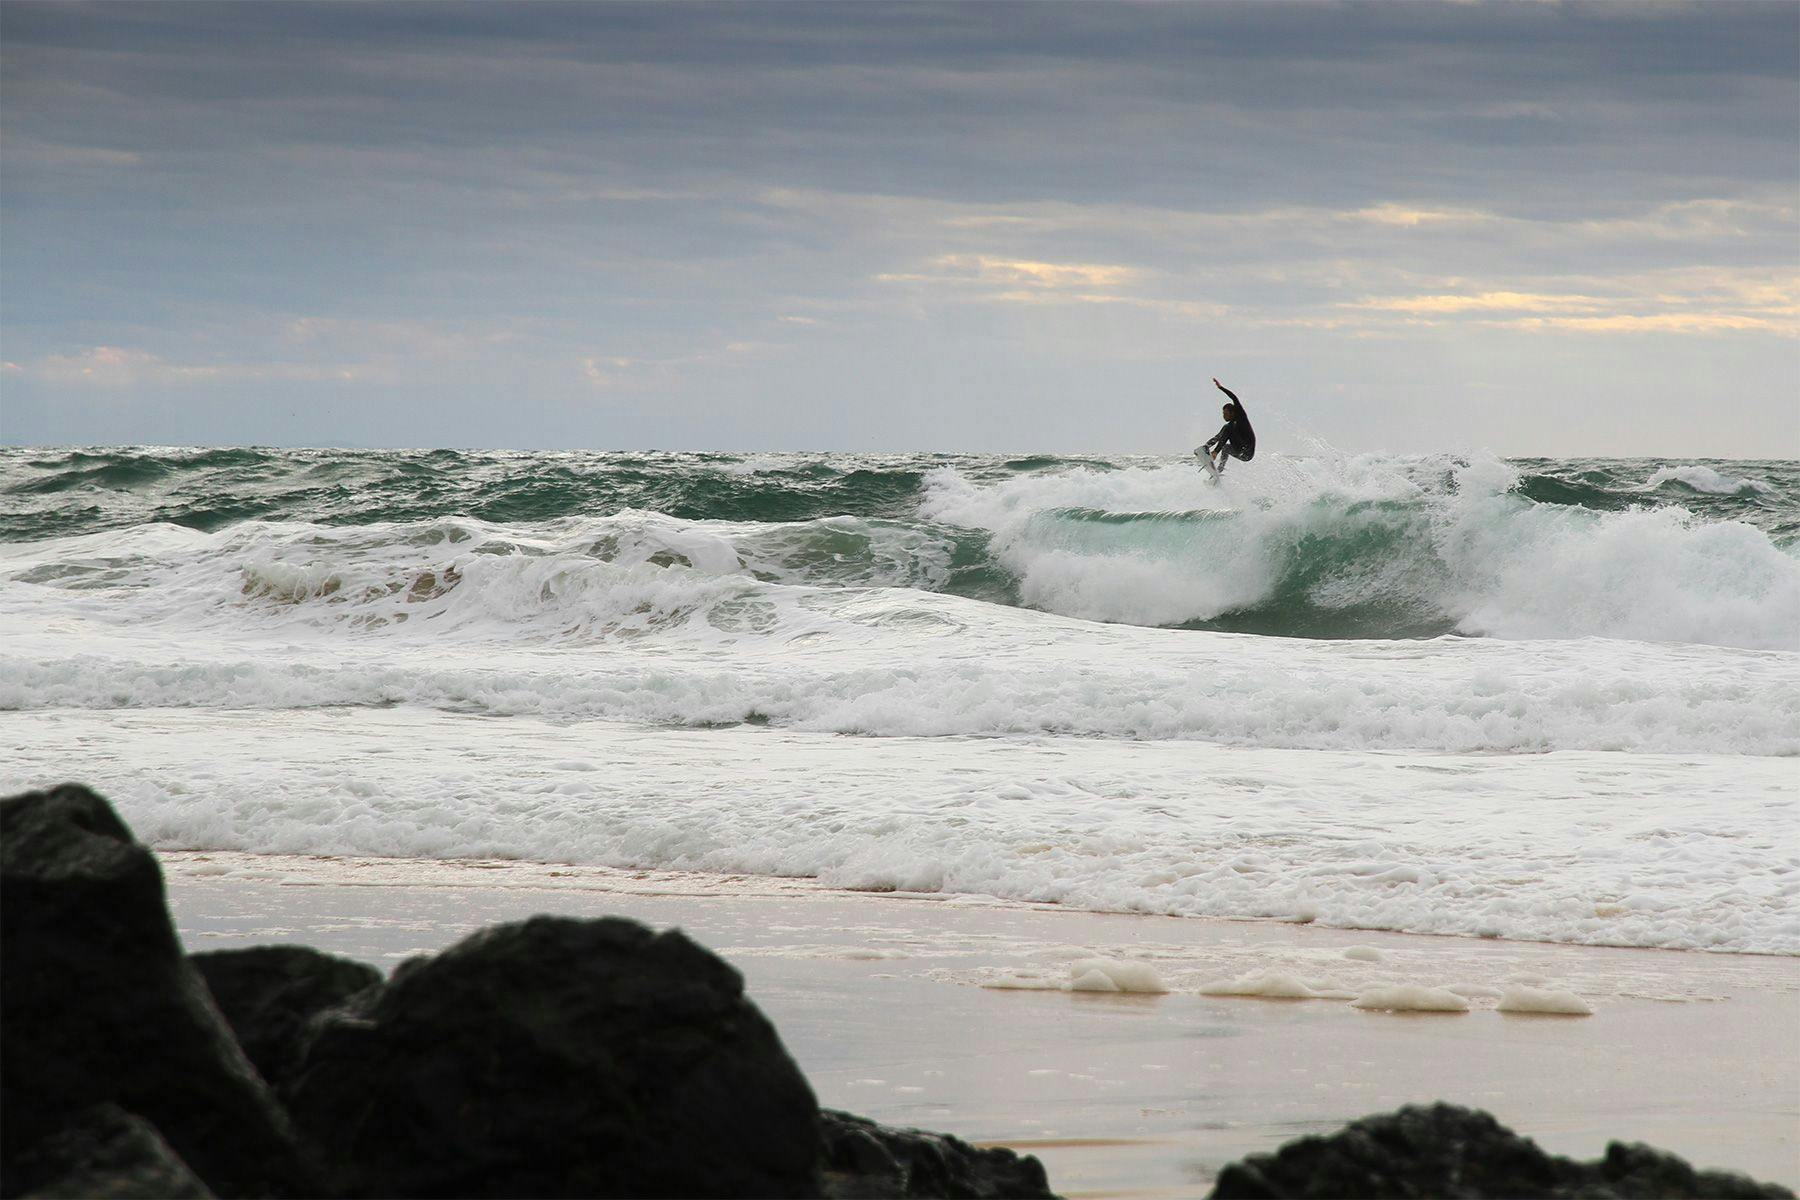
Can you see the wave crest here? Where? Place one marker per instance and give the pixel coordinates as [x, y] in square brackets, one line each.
[1375, 548]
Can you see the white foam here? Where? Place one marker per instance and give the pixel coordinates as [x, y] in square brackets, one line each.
[1655, 575]
[1022, 981]
[1274, 985]
[1705, 479]
[1410, 997]
[1521, 999]
[1473, 554]
[1093, 981]
[1084, 975]
[512, 632]
[1363, 954]
[1474, 991]
[1114, 975]
[1512, 846]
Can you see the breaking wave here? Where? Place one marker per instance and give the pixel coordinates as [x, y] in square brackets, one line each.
[1023, 602]
[1371, 547]
[1377, 548]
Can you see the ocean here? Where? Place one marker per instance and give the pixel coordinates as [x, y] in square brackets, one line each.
[1552, 700]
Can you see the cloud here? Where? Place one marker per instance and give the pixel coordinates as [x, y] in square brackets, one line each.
[394, 339]
[122, 367]
[267, 350]
[991, 269]
[1407, 216]
[559, 201]
[603, 372]
[626, 373]
[1482, 302]
[987, 240]
[1695, 323]
[1698, 220]
[32, 152]
[988, 269]
[1699, 302]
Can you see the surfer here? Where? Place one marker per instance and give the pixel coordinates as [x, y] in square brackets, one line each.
[1235, 440]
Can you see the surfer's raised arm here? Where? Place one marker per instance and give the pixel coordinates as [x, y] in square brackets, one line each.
[1227, 391]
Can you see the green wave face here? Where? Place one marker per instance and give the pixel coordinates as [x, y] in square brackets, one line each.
[1363, 548]
[1764, 494]
[1332, 567]
[58, 494]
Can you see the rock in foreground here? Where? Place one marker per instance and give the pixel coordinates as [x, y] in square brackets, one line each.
[552, 1057]
[105, 1153]
[270, 994]
[97, 1005]
[1446, 1151]
[867, 1161]
[558, 1057]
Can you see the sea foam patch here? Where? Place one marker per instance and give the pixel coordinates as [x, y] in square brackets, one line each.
[1411, 997]
[1552, 1001]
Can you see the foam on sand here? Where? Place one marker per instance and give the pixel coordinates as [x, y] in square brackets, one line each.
[1272, 985]
[1015, 980]
[1114, 975]
[1521, 999]
[1410, 997]
[1084, 975]
[1474, 991]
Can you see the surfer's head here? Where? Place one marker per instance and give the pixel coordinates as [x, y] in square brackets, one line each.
[1229, 411]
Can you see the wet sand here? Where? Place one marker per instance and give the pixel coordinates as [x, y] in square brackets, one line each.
[880, 999]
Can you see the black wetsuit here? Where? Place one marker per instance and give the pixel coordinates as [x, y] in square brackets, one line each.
[1236, 438]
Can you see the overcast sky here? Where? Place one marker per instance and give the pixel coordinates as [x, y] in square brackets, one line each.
[1534, 228]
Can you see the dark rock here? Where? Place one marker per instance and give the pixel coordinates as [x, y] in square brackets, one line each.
[98, 1005]
[268, 994]
[106, 1154]
[1634, 1169]
[867, 1161]
[1464, 1154]
[557, 1057]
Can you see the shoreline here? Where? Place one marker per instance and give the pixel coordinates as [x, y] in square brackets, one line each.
[1141, 1095]
[379, 871]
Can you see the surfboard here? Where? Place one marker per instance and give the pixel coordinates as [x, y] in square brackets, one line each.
[1206, 463]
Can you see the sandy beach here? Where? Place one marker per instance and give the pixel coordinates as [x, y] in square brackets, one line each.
[881, 999]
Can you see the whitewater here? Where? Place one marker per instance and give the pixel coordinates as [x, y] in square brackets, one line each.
[1536, 699]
